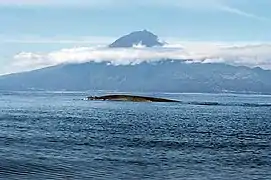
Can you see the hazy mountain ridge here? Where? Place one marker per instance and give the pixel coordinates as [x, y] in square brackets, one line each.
[164, 76]
[161, 76]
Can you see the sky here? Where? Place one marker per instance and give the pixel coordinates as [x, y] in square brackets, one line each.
[232, 31]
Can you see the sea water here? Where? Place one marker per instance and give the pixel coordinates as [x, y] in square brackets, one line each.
[58, 135]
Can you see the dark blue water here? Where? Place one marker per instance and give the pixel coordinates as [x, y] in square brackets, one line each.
[60, 136]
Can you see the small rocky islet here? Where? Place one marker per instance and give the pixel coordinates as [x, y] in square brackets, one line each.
[131, 98]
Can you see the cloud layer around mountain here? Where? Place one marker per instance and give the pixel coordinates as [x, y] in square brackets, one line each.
[241, 55]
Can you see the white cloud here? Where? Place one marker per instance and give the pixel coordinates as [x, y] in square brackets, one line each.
[245, 55]
[219, 5]
[242, 13]
[250, 55]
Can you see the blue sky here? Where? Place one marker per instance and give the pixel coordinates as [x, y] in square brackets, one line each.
[231, 20]
[47, 25]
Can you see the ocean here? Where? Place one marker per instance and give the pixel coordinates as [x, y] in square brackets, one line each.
[58, 135]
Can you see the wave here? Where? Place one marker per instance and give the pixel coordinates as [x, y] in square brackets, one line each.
[228, 104]
[199, 103]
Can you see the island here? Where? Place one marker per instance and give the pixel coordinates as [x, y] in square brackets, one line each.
[131, 98]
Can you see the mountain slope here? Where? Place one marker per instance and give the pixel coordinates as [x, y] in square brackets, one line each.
[167, 76]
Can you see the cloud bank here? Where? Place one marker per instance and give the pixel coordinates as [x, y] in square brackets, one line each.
[244, 55]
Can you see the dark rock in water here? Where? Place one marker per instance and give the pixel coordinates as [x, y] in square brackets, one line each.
[144, 38]
[129, 98]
